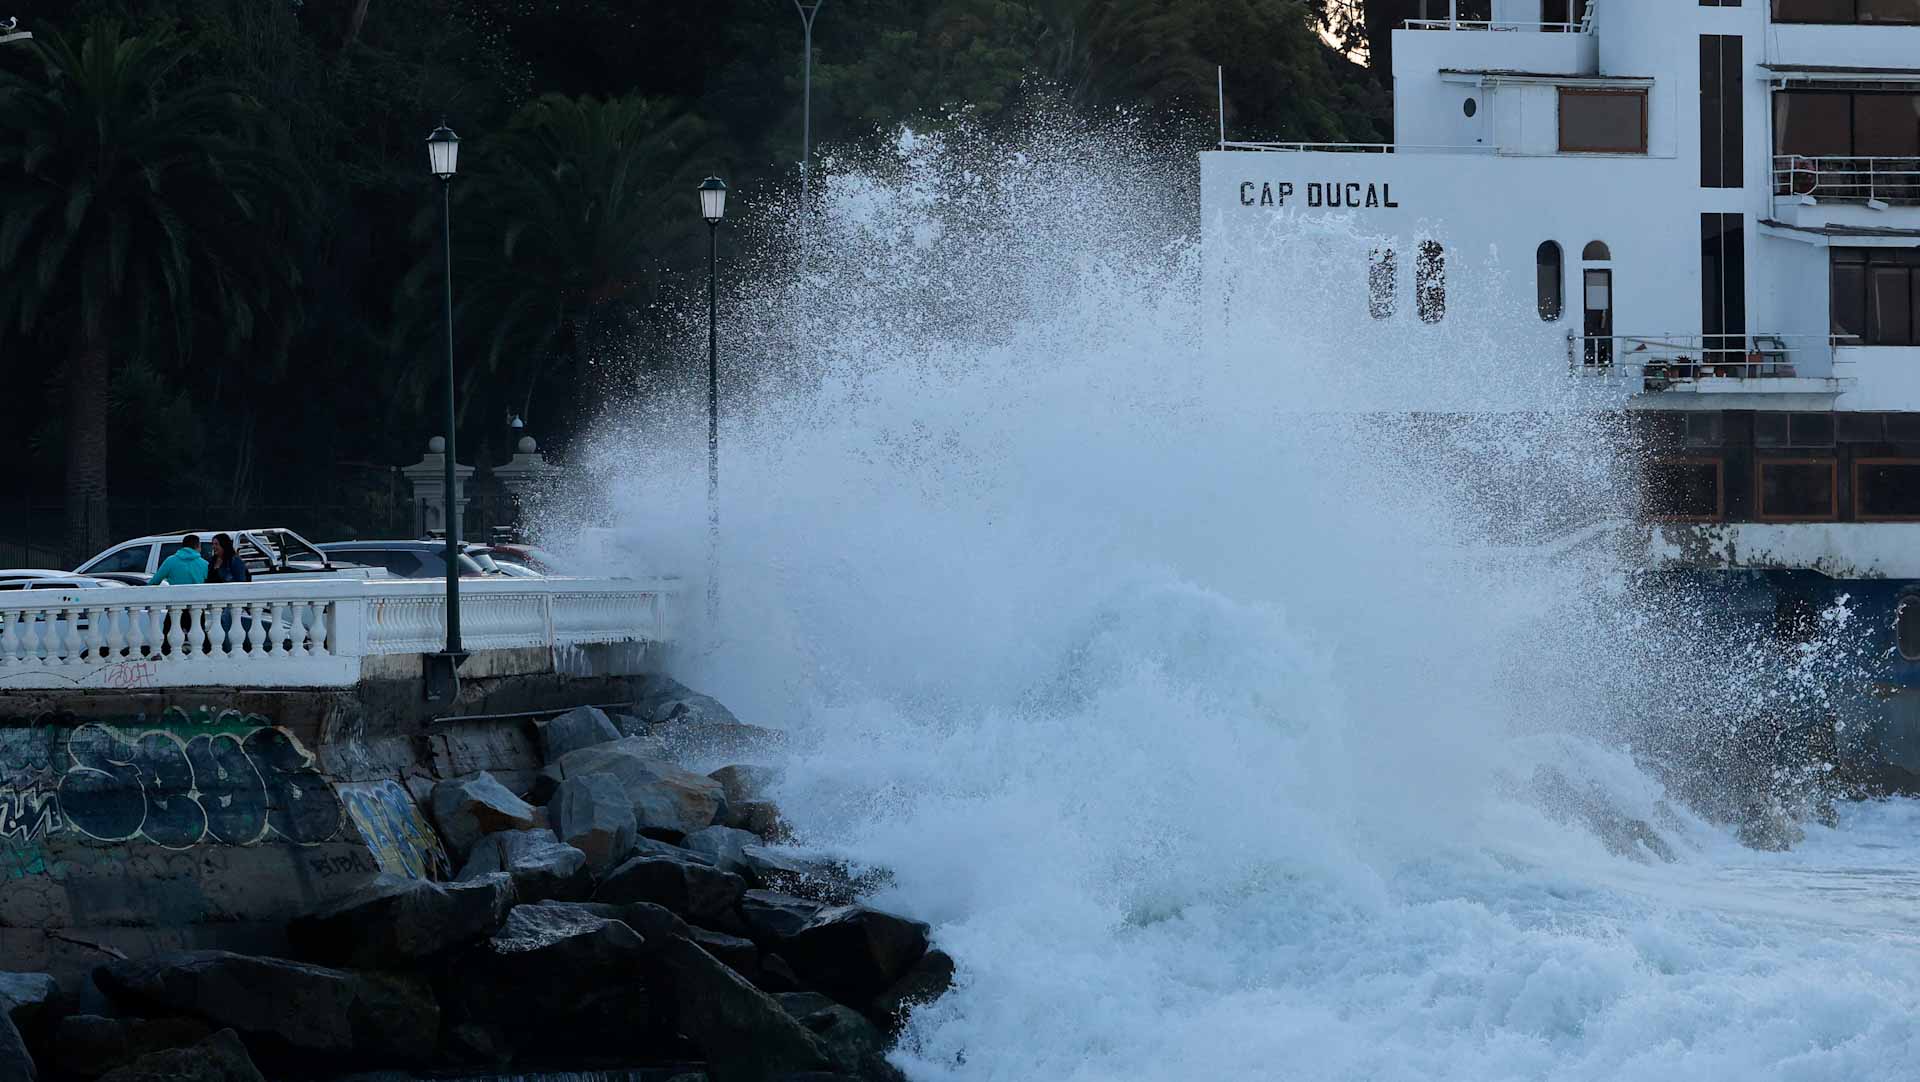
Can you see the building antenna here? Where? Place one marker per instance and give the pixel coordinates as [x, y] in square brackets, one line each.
[1220, 74]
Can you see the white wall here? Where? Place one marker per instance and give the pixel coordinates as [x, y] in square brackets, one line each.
[1882, 377]
[1843, 46]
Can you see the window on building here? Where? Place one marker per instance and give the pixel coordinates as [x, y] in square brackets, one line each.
[1563, 15]
[1899, 12]
[1832, 123]
[1603, 121]
[1596, 295]
[1906, 625]
[1430, 282]
[1596, 252]
[1875, 296]
[1800, 489]
[1549, 279]
[1383, 283]
[1886, 488]
[1722, 111]
[1684, 490]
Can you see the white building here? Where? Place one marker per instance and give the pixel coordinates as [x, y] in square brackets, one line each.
[1722, 198]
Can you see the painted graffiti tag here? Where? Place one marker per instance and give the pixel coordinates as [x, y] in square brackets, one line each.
[235, 787]
[395, 831]
[29, 810]
[128, 674]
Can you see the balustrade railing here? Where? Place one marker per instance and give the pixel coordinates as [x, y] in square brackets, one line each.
[1667, 360]
[310, 633]
[1848, 179]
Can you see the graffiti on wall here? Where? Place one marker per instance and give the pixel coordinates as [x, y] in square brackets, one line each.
[198, 776]
[395, 831]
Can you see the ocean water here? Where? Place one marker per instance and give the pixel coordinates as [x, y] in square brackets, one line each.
[1226, 715]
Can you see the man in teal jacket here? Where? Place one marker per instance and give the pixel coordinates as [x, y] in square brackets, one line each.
[186, 567]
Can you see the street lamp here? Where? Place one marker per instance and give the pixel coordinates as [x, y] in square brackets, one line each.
[7, 32]
[807, 13]
[443, 156]
[713, 207]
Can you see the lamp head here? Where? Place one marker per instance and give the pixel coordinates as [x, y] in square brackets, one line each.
[713, 200]
[443, 151]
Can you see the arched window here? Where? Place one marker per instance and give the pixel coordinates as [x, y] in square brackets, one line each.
[1596, 252]
[1383, 283]
[1430, 282]
[1907, 627]
[1549, 280]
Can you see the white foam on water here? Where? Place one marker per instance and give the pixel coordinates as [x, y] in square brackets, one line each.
[1192, 707]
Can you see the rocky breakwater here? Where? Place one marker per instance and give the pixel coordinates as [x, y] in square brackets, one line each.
[621, 912]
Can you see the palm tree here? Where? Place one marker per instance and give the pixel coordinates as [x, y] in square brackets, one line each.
[564, 233]
[135, 205]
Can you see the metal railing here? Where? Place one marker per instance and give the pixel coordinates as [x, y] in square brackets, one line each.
[1884, 180]
[1585, 26]
[307, 633]
[1667, 360]
[1353, 148]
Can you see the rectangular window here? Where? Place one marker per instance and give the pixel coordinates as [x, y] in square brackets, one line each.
[1722, 127]
[1799, 489]
[1875, 296]
[1723, 287]
[1886, 488]
[1847, 12]
[1685, 490]
[1603, 121]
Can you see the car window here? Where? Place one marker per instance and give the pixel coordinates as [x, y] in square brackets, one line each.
[131, 558]
[406, 565]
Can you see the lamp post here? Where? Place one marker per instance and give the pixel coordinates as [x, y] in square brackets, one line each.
[443, 156]
[7, 32]
[807, 13]
[713, 207]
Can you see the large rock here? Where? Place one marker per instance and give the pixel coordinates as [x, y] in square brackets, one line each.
[467, 809]
[724, 846]
[540, 866]
[581, 727]
[854, 953]
[90, 1044]
[219, 1058]
[924, 981]
[703, 895]
[16, 1063]
[592, 813]
[664, 796]
[760, 817]
[289, 1006]
[807, 877]
[772, 917]
[393, 921]
[742, 782]
[23, 996]
[741, 1031]
[557, 975]
[739, 955]
[662, 700]
[856, 1045]
[653, 847]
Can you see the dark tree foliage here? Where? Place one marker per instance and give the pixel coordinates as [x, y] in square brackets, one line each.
[229, 297]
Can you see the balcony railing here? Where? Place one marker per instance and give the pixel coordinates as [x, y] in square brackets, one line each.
[1583, 27]
[1865, 180]
[309, 633]
[1665, 361]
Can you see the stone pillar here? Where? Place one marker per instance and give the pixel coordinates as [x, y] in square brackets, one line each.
[428, 478]
[527, 471]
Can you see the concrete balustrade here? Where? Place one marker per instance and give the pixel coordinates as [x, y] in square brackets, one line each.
[302, 633]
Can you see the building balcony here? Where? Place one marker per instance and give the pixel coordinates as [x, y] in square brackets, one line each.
[1877, 182]
[1699, 371]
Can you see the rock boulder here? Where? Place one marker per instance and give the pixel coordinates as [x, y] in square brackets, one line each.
[703, 895]
[540, 866]
[393, 922]
[664, 797]
[923, 982]
[772, 918]
[467, 809]
[303, 1010]
[558, 976]
[854, 953]
[581, 727]
[741, 1031]
[219, 1058]
[90, 1045]
[592, 813]
[724, 846]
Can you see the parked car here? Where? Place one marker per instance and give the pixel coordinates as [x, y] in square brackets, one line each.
[499, 560]
[401, 559]
[34, 578]
[267, 551]
[534, 559]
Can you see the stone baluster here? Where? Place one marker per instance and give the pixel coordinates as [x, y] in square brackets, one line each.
[171, 617]
[257, 617]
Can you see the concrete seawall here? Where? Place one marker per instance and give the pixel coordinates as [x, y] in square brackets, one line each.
[135, 821]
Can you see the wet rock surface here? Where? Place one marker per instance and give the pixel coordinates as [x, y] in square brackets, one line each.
[467, 809]
[218, 1058]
